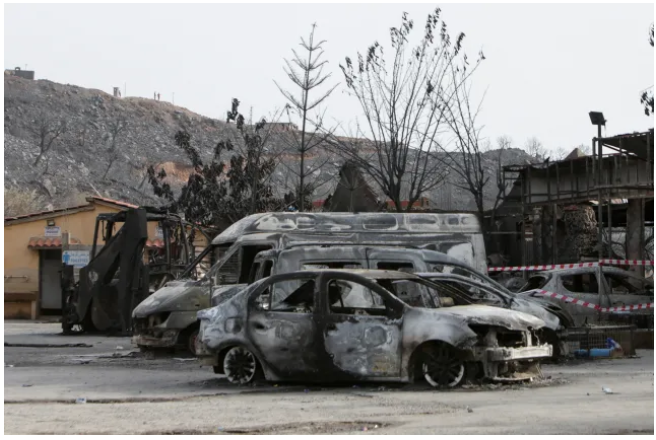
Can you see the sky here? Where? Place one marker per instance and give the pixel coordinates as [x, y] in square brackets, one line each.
[546, 66]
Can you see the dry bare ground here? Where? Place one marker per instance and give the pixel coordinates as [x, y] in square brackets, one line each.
[128, 394]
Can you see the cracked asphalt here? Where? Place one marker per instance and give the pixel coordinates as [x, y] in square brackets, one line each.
[125, 393]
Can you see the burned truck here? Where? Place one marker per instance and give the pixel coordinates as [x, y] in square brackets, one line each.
[120, 274]
[168, 318]
[338, 325]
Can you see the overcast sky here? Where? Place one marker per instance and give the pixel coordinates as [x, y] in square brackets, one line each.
[547, 66]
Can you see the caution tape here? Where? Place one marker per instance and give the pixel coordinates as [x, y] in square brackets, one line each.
[540, 267]
[605, 262]
[611, 262]
[578, 302]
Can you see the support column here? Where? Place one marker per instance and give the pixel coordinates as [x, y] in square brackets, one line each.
[635, 237]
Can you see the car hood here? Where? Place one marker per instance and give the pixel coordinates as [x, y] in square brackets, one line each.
[538, 309]
[174, 296]
[487, 315]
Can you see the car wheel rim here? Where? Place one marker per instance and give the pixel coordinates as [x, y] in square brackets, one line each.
[239, 365]
[442, 369]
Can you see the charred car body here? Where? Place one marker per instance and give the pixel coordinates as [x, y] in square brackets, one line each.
[333, 325]
[168, 317]
[602, 285]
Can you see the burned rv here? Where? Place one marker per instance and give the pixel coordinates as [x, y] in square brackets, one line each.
[168, 318]
[336, 325]
[118, 277]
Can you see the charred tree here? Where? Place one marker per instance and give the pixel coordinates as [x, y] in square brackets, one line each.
[402, 108]
[46, 130]
[306, 72]
[234, 183]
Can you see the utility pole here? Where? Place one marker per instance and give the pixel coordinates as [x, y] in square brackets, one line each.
[125, 89]
[173, 100]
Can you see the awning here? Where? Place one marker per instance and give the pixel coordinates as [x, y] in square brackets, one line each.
[49, 242]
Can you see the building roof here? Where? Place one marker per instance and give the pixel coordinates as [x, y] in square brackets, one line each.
[105, 200]
[47, 214]
[69, 210]
[49, 242]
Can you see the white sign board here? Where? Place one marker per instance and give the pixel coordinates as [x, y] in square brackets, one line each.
[75, 258]
[52, 231]
[159, 233]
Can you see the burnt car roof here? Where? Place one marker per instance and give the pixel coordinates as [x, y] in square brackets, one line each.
[375, 223]
[365, 273]
[577, 270]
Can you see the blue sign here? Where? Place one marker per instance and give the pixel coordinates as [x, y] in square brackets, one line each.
[75, 258]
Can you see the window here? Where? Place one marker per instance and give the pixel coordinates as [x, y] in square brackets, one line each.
[293, 296]
[535, 282]
[580, 283]
[408, 291]
[352, 298]
[228, 272]
[268, 265]
[626, 285]
[400, 266]
[319, 265]
[253, 275]
[248, 254]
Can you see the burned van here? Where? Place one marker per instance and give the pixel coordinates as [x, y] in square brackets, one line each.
[168, 317]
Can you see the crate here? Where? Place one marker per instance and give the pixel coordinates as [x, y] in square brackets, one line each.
[591, 337]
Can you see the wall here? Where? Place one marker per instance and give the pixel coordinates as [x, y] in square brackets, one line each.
[22, 263]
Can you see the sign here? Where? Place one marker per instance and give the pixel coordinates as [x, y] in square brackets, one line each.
[159, 233]
[52, 231]
[75, 258]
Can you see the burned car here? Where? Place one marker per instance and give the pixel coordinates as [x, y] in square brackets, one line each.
[336, 325]
[465, 290]
[167, 319]
[602, 285]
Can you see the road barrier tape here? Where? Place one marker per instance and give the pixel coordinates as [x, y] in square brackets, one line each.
[612, 262]
[593, 306]
[605, 262]
[540, 267]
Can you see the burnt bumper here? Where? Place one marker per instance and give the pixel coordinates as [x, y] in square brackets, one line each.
[511, 364]
[167, 338]
[504, 354]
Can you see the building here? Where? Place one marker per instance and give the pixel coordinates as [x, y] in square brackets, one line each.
[25, 74]
[33, 253]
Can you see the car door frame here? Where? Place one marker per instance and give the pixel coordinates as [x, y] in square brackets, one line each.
[326, 321]
[305, 357]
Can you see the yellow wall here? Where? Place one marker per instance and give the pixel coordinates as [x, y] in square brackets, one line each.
[22, 263]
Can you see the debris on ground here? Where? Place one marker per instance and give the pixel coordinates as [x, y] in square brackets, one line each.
[25, 385]
[607, 390]
[7, 344]
[469, 409]
[81, 400]
[119, 347]
[184, 359]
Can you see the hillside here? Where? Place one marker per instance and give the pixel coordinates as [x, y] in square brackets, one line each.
[79, 161]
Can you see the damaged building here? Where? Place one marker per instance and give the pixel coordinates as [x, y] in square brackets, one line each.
[580, 208]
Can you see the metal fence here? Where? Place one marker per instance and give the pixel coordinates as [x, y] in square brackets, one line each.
[584, 339]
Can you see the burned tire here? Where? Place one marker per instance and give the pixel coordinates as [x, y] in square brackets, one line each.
[442, 367]
[240, 366]
[191, 341]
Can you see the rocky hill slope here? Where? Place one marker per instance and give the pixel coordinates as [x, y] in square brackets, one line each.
[88, 159]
